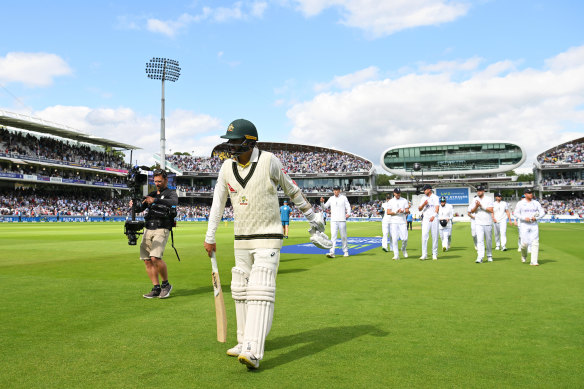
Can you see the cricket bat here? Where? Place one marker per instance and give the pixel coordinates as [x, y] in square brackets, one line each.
[219, 302]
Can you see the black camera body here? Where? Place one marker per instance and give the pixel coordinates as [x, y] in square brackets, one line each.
[132, 228]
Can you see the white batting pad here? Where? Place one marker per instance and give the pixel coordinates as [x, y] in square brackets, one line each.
[239, 281]
[261, 294]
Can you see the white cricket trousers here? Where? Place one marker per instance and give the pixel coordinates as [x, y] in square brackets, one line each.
[484, 240]
[529, 234]
[337, 227]
[385, 229]
[427, 228]
[501, 234]
[445, 235]
[399, 231]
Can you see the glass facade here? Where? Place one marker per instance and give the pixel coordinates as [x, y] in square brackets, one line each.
[454, 157]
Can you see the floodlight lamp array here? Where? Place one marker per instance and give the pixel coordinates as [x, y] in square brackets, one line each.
[163, 69]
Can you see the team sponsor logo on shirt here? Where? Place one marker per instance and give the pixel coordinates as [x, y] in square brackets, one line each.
[231, 189]
[243, 201]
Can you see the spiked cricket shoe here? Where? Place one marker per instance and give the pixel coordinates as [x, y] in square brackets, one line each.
[249, 360]
[235, 351]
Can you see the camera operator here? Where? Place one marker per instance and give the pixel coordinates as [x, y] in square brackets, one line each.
[159, 221]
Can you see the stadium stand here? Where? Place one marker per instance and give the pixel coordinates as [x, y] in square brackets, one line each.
[561, 168]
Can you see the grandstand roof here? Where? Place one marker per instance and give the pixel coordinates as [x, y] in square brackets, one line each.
[29, 123]
[269, 146]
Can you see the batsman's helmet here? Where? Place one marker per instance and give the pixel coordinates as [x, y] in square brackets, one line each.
[443, 199]
[443, 222]
[242, 136]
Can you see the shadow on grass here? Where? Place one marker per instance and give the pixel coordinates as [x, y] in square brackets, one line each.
[178, 292]
[544, 261]
[313, 342]
[287, 271]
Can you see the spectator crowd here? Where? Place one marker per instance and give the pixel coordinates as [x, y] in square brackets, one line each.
[293, 161]
[568, 153]
[23, 144]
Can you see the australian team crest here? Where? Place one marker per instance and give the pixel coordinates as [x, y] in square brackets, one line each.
[243, 200]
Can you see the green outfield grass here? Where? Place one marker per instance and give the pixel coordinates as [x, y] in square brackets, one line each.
[73, 314]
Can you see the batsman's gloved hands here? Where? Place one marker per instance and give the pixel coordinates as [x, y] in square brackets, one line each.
[316, 221]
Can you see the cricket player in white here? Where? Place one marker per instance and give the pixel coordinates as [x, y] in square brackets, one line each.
[502, 216]
[473, 228]
[445, 215]
[397, 211]
[251, 180]
[386, 233]
[429, 204]
[483, 210]
[340, 212]
[529, 211]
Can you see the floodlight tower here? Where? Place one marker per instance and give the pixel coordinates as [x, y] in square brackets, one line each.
[162, 69]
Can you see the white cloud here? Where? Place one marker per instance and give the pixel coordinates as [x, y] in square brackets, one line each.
[380, 18]
[185, 131]
[531, 106]
[349, 80]
[238, 11]
[32, 69]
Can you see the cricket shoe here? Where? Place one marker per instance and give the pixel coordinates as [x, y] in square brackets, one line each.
[490, 259]
[479, 261]
[346, 254]
[405, 253]
[534, 264]
[384, 249]
[434, 257]
[329, 255]
[249, 360]
[519, 250]
[504, 249]
[523, 259]
[497, 248]
[165, 291]
[395, 257]
[235, 351]
[423, 258]
[155, 292]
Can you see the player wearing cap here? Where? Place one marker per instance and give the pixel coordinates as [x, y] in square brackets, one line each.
[529, 211]
[285, 217]
[502, 216]
[483, 210]
[340, 212]
[385, 231]
[397, 210]
[429, 204]
[251, 180]
[445, 215]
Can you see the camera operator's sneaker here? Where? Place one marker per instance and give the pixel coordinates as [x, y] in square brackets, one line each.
[165, 291]
[155, 292]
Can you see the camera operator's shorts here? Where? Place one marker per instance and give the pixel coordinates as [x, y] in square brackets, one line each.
[153, 243]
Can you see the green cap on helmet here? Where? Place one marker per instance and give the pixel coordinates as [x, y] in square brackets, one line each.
[241, 128]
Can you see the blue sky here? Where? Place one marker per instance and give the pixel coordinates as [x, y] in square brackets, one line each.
[358, 75]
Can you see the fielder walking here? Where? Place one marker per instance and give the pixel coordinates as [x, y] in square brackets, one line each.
[502, 216]
[429, 204]
[445, 215]
[251, 180]
[397, 210]
[386, 233]
[529, 211]
[483, 210]
[340, 212]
